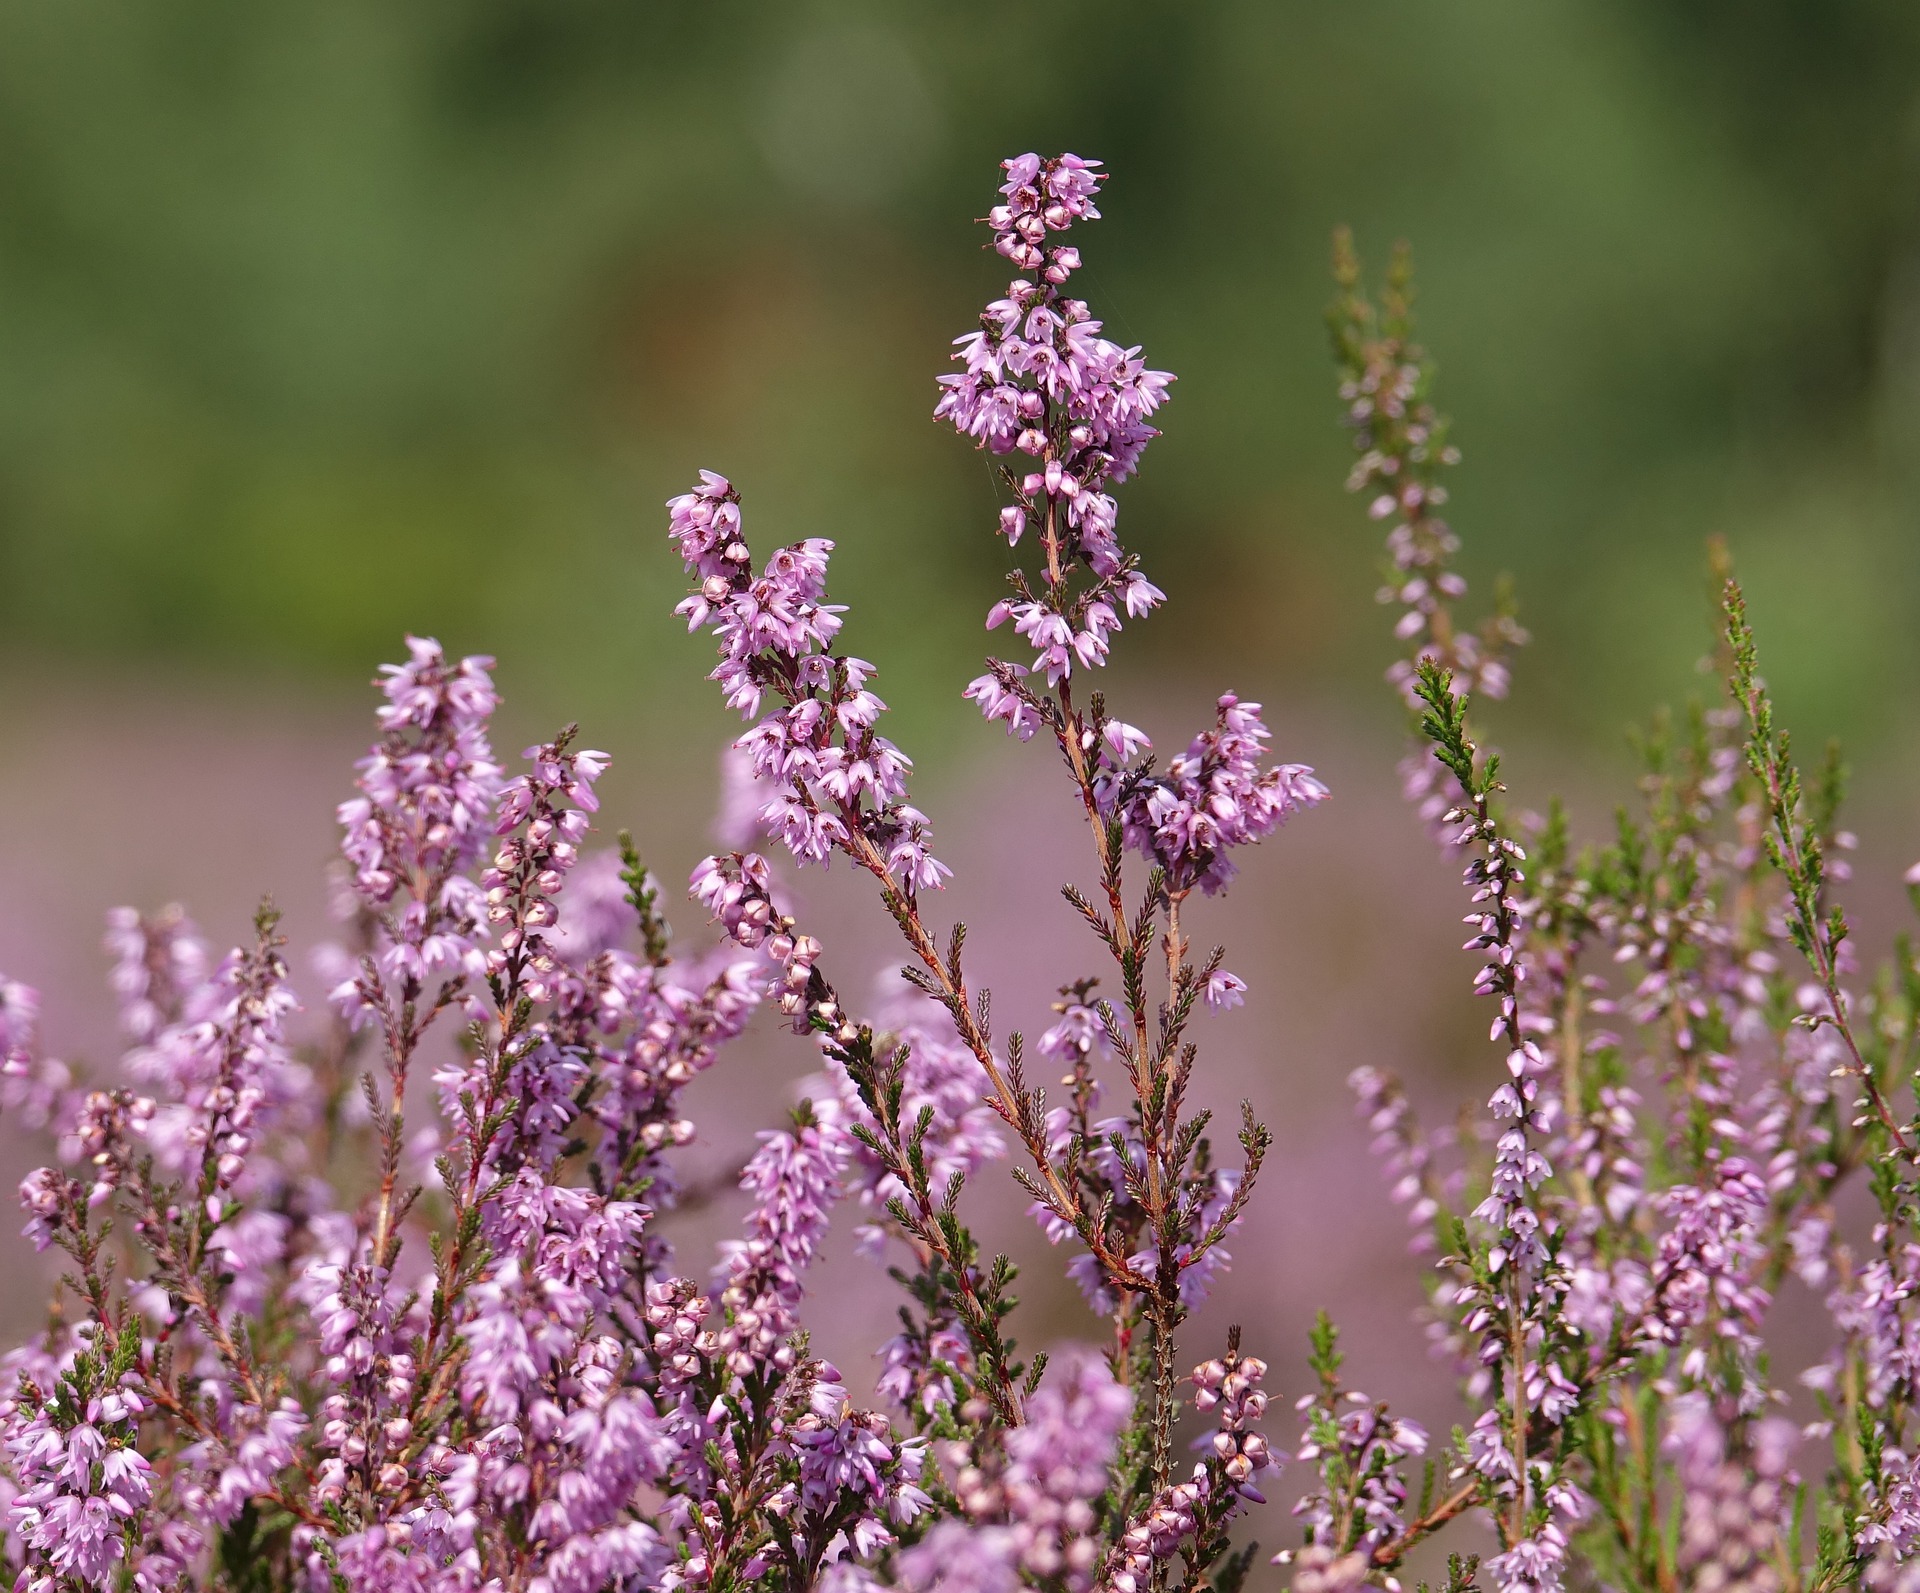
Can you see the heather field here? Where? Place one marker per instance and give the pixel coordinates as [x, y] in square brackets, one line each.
[1196, 900]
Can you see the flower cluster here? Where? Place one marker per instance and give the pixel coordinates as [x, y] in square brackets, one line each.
[83, 1485]
[427, 792]
[1355, 1514]
[833, 783]
[1040, 380]
[308, 1341]
[1734, 1510]
[1032, 1509]
[1386, 383]
[1212, 798]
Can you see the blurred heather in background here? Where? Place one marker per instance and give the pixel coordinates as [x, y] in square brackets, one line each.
[321, 322]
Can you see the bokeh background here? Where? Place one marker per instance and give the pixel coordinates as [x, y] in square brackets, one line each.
[320, 322]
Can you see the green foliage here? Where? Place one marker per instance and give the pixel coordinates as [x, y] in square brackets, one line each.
[1445, 724]
[643, 895]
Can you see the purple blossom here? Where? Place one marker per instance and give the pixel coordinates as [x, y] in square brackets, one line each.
[1224, 990]
[830, 781]
[158, 963]
[1232, 1386]
[83, 1486]
[795, 1179]
[1056, 1466]
[1038, 378]
[1359, 1447]
[428, 789]
[36, 1090]
[307, 1321]
[1212, 798]
[1736, 1508]
[222, 1071]
[958, 1558]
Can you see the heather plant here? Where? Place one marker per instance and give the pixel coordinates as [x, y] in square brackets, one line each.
[379, 1298]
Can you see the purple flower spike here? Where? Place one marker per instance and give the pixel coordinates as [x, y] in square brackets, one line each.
[1040, 380]
[829, 781]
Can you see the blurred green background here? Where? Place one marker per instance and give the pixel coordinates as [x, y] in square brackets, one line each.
[325, 319]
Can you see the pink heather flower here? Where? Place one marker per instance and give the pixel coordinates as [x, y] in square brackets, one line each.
[829, 781]
[957, 1558]
[1057, 1464]
[1232, 1387]
[1225, 990]
[1735, 1509]
[157, 962]
[35, 1090]
[427, 798]
[1039, 379]
[795, 1178]
[1359, 1448]
[222, 1072]
[1212, 798]
[1000, 697]
[83, 1488]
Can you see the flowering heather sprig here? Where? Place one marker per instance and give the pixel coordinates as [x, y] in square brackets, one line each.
[795, 1178]
[1035, 1508]
[36, 1091]
[158, 960]
[1138, 1190]
[1734, 1517]
[426, 805]
[331, 1376]
[833, 782]
[1355, 1515]
[1386, 383]
[219, 1070]
[1039, 379]
[1232, 1385]
[737, 890]
[1406, 1153]
[1512, 1301]
[1212, 798]
[83, 1485]
[543, 818]
[1193, 1519]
